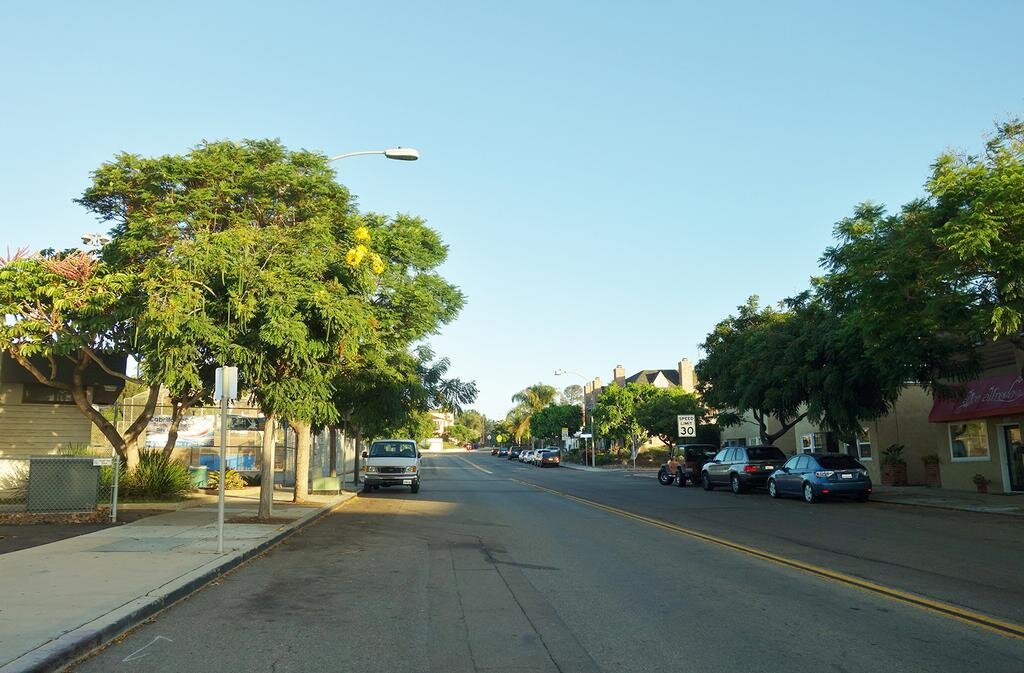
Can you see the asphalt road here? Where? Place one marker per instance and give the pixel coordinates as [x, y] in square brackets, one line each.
[481, 572]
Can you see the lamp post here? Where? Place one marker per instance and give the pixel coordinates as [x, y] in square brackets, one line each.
[397, 153]
[583, 407]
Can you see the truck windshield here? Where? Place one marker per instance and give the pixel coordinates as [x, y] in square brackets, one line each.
[392, 450]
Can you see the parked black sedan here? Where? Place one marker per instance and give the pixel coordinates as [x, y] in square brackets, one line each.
[741, 467]
[813, 476]
[513, 452]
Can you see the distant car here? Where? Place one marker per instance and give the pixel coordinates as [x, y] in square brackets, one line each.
[813, 476]
[526, 456]
[742, 467]
[494, 450]
[685, 463]
[513, 453]
[549, 458]
[503, 451]
[467, 446]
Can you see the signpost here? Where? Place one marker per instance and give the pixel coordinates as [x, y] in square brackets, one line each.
[225, 388]
[687, 425]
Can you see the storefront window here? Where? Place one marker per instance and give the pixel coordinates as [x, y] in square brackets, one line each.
[968, 441]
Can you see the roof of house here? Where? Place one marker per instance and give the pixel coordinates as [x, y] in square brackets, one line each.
[649, 375]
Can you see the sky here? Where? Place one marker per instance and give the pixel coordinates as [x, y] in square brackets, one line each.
[612, 178]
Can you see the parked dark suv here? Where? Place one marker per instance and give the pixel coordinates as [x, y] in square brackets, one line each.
[741, 467]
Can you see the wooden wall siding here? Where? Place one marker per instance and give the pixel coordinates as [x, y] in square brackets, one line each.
[32, 429]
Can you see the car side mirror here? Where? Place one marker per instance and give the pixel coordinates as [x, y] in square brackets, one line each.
[784, 469]
[366, 454]
[419, 454]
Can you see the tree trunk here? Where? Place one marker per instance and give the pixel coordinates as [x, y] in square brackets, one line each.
[359, 454]
[267, 467]
[302, 449]
[177, 412]
[334, 451]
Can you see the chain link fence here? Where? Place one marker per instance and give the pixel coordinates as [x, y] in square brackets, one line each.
[61, 484]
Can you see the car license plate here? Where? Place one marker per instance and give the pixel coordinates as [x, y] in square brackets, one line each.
[407, 482]
[769, 467]
[847, 476]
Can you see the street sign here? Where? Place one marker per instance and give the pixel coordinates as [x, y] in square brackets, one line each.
[226, 383]
[687, 426]
[565, 434]
[585, 435]
[102, 462]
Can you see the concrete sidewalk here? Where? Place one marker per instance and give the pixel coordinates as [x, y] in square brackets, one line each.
[966, 501]
[62, 599]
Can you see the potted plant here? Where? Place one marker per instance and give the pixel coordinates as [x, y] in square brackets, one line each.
[932, 475]
[981, 481]
[894, 468]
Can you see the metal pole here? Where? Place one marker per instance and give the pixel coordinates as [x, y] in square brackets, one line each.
[113, 504]
[223, 458]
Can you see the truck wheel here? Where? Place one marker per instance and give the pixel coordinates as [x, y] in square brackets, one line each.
[680, 479]
[664, 478]
[415, 488]
[366, 489]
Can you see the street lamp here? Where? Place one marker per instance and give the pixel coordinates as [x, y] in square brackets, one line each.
[397, 153]
[583, 407]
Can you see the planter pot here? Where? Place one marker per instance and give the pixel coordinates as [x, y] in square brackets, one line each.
[982, 488]
[932, 475]
[894, 474]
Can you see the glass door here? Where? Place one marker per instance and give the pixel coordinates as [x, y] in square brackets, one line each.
[1014, 456]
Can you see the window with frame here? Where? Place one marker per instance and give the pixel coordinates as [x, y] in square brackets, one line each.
[37, 393]
[968, 441]
[863, 448]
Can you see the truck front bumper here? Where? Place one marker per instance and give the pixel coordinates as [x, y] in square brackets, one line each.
[390, 479]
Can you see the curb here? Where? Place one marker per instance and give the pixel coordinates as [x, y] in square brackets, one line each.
[75, 644]
[903, 503]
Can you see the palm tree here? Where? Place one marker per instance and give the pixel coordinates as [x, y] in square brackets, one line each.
[529, 401]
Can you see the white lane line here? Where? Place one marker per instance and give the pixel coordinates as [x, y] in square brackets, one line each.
[135, 656]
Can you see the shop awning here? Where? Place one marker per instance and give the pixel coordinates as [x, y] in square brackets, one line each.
[996, 396]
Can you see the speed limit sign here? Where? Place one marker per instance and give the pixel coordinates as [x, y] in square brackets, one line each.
[687, 426]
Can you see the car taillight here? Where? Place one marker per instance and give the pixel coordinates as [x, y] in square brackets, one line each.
[750, 468]
[825, 474]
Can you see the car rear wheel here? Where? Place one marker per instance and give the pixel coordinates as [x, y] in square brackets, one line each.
[809, 496]
[680, 479]
[664, 478]
[772, 490]
[706, 478]
[734, 483]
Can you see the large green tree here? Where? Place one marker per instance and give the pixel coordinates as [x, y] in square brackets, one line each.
[69, 310]
[657, 413]
[749, 367]
[547, 423]
[616, 413]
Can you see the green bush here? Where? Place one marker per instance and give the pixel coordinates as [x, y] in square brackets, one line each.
[156, 477]
[234, 480]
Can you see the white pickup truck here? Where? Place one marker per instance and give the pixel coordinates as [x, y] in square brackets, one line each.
[391, 462]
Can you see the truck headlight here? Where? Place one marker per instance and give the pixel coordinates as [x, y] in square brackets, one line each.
[369, 468]
[411, 469]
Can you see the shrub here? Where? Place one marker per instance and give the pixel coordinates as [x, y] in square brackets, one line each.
[234, 480]
[157, 477]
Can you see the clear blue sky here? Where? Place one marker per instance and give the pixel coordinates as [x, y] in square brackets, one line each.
[613, 178]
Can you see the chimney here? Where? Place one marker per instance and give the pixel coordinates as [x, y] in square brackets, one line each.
[620, 375]
[687, 379]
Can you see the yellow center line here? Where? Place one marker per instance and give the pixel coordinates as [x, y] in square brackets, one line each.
[946, 609]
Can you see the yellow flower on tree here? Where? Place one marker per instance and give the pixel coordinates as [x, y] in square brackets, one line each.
[355, 256]
[377, 264]
[362, 234]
